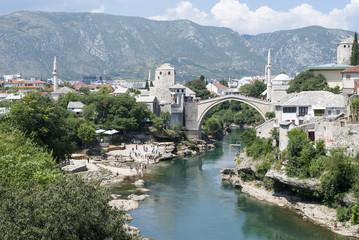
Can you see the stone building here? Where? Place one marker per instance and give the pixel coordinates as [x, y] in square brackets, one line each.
[344, 51]
[350, 79]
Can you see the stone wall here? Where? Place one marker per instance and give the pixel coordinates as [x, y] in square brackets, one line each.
[264, 129]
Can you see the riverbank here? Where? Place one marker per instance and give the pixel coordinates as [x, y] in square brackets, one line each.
[311, 211]
[128, 163]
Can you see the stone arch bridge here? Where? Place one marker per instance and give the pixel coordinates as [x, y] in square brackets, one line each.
[195, 111]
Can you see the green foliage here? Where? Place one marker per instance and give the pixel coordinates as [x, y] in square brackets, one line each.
[46, 122]
[23, 162]
[254, 89]
[300, 153]
[354, 58]
[355, 214]
[343, 213]
[354, 108]
[248, 136]
[147, 86]
[260, 147]
[166, 117]
[214, 125]
[246, 177]
[307, 81]
[275, 136]
[68, 208]
[335, 90]
[270, 115]
[263, 167]
[223, 82]
[136, 91]
[199, 87]
[86, 133]
[339, 176]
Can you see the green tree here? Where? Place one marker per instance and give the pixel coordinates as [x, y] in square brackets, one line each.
[47, 123]
[199, 87]
[307, 81]
[166, 117]
[147, 86]
[224, 82]
[68, 208]
[253, 89]
[354, 59]
[86, 133]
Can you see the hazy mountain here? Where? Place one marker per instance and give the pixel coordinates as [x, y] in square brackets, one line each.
[127, 47]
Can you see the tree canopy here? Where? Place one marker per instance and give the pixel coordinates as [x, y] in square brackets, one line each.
[254, 89]
[199, 87]
[307, 81]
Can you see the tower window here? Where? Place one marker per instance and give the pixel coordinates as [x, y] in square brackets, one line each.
[160, 73]
[345, 46]
[169, 73]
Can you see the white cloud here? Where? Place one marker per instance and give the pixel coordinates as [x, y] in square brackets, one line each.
[101, 9]
[185, 10]
[238, 16]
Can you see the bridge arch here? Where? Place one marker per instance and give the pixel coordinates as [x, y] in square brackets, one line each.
[210, 104]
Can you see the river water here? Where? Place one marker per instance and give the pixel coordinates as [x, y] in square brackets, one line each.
[189, 201]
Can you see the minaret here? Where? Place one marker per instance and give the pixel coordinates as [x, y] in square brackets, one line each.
[268, 77]
[54, 75]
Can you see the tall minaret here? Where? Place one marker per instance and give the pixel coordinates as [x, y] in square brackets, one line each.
[268, 77]
[55, 74]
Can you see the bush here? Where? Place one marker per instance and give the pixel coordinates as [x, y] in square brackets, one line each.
[68, 208]
[343, 214]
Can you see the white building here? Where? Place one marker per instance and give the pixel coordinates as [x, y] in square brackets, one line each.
[76, 107]
[280, 84]
[350, 79]
[217, 88]
[300, 108]
[331, 72]
[121, 90]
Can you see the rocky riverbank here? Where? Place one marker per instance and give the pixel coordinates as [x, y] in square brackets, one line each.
[129, 163]
[311, 211]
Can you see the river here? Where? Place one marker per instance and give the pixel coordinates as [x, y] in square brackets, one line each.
[189, 201]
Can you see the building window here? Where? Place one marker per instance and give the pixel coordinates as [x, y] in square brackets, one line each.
[345, 46]
[318, 112]
[169, 73]
[289, 109]
[329, 112]
[160, 73]
[348, 76]
[303, 111]
[338, 112]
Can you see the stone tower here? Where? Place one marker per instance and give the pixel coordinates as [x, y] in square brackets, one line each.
[344, 51]
[54, 75]
[268, 77]
[165, 77]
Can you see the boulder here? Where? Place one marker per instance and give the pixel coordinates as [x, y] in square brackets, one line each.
[74, 168]
[143, 190]
[138, 197]
[125, 205]
[139, 183]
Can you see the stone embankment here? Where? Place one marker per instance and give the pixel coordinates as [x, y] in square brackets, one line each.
[311, 211]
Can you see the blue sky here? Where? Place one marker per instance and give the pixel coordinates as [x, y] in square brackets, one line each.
[244, 16]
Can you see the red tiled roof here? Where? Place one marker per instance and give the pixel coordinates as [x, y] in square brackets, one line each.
[28, 87]
[218, 85]
[354, 69]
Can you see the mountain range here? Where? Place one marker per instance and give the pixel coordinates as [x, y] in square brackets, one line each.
[92, 44]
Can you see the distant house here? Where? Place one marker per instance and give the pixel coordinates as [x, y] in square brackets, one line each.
[350, 79]
[76, 107]
[299, 108]
[217, 88]
[121, 90]
[332, 72]
[62, 92]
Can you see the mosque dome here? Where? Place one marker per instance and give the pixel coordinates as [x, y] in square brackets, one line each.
[282, 78]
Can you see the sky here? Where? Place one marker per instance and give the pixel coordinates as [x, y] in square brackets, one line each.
[243, 16]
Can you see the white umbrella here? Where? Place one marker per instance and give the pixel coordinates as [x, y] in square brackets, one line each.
[100, 131]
